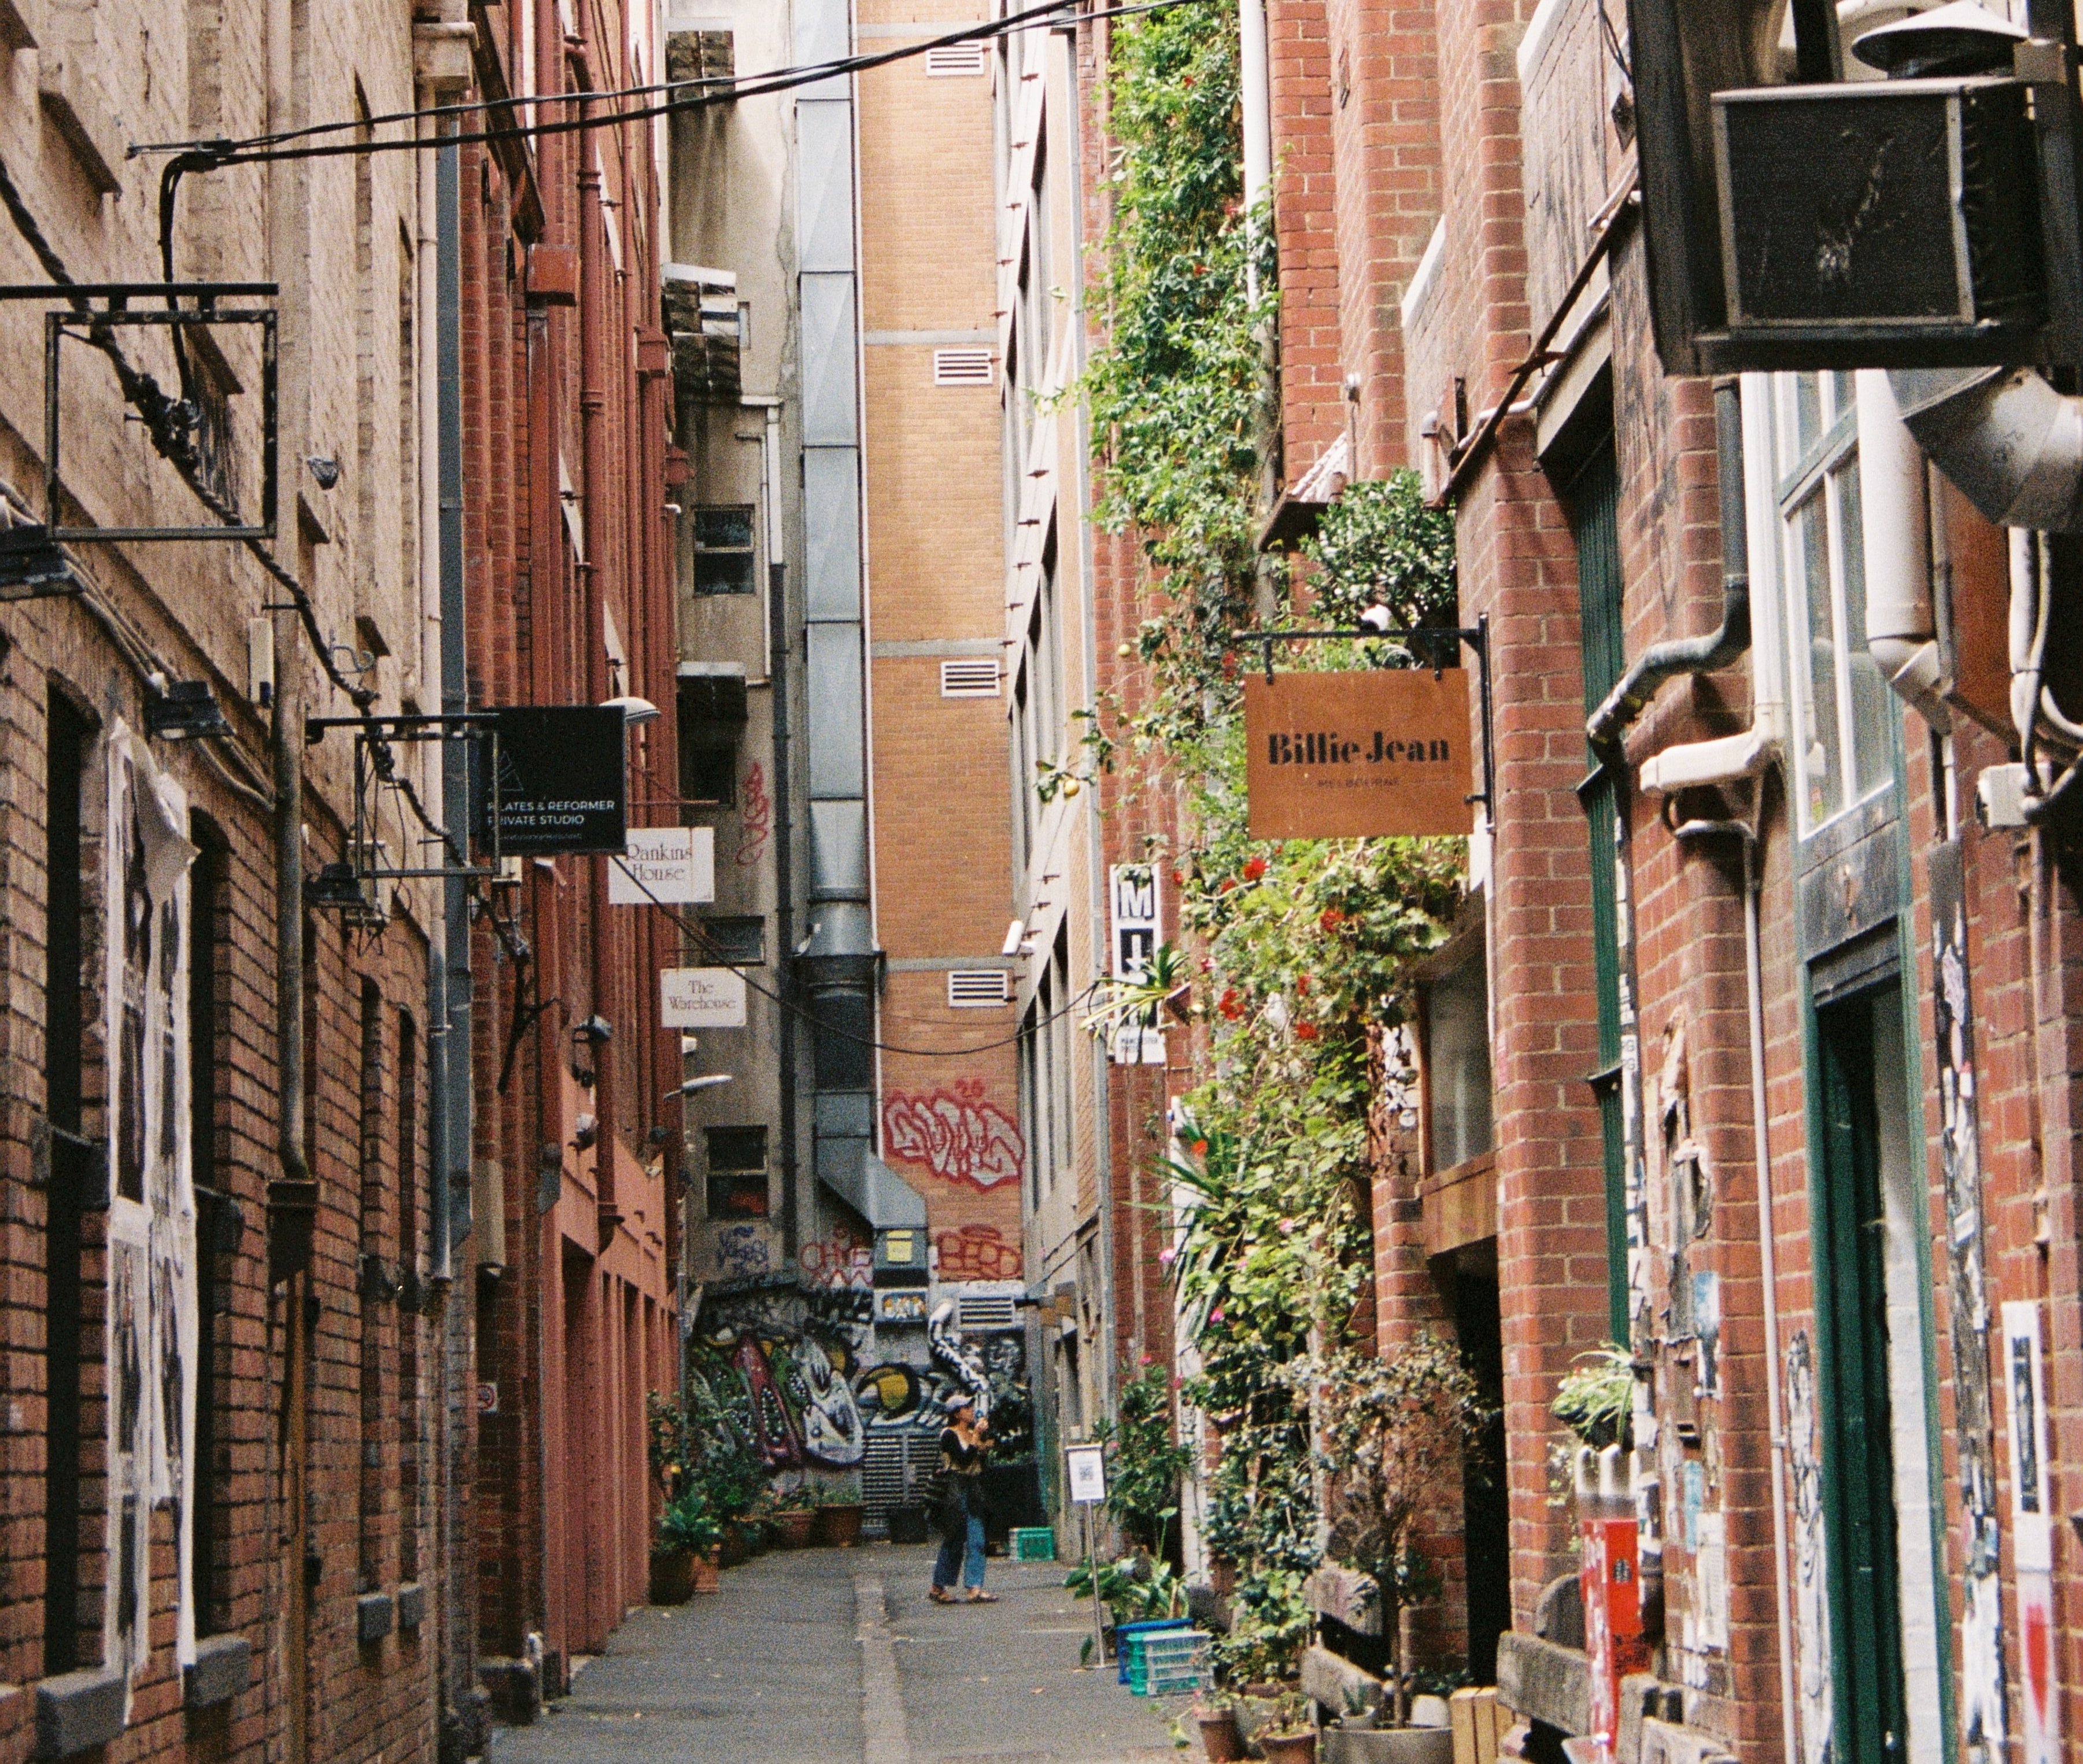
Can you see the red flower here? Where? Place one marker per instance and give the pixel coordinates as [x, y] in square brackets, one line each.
[1230, 1004]
[1228, 883]
[1329, 918]
[1253, 869]
[1302, 984]
[1305, 1031]
[1179, 876]
[1200, 1148]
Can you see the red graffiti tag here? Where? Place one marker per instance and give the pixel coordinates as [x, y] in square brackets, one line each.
[977, 1252]
[755, 817]
[955, 1134]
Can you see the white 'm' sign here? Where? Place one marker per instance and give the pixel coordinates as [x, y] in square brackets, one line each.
[673, 866]
[701, 998]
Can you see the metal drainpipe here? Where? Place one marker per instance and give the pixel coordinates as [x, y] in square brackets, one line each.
[287, 752]
[594, 501]
[450, 1198]
[784, 862]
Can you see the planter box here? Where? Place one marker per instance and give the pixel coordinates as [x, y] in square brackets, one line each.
[1387, 1745]
[839, 1527]
[794, 1530]
[672, 1577]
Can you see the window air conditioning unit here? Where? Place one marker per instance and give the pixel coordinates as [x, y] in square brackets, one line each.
[1898, 211]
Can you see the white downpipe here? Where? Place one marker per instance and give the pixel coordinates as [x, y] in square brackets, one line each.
[1258, 102]
[1894, 530]
[1728, 758]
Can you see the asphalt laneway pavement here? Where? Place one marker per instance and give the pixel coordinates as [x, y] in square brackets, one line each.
[824, 1656]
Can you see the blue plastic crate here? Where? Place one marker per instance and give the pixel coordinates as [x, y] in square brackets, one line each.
[1128, 1639]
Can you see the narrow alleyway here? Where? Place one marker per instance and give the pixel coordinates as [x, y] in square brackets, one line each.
[830, 1656]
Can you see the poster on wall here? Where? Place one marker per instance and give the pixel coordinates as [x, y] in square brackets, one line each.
[1132, 900]
[2032, 1529]
[1382, 752]
[152, 1325]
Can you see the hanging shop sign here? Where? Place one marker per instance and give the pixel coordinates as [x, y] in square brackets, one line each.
[666, 866]
[1384, 752]
[1132, 894]
[701, 998]
[563, 780]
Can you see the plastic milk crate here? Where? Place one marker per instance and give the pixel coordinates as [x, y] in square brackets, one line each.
[1033, 1543]
[1128, 1639]
[1168, 1663]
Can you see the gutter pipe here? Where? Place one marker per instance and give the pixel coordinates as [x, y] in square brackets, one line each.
[1719, 647]
[778, 647]
[1256, 92]
[449, 1198]
[1895, 530]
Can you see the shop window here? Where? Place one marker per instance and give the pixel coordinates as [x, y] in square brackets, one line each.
[738, 1172]
[710, 723]
[1842, 751]
[1457, 1067]
[723, 560]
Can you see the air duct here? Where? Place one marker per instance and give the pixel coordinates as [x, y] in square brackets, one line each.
[2010, 441]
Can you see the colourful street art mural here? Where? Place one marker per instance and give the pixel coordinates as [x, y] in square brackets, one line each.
[956, 1133]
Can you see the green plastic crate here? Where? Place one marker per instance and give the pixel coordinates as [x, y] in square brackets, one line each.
[1033, 1543]
[1168, 1663]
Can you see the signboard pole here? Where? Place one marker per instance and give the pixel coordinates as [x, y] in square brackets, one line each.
[1092, 1569]
[1086, 1478]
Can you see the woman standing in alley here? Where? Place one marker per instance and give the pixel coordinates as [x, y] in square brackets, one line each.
[963, 1444]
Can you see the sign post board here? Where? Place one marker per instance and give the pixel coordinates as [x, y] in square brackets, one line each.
[1132, 893]
[1084, 1469]
[563, 780]
[1378, 752]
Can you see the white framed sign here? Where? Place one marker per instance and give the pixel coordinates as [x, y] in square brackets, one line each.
[1086, 1468]
[701, 998]
[672, 866]
[1132, 901]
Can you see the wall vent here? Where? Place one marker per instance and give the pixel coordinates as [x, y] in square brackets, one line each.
[987, 1311]
[976, 988]
[946, 59]
[972, 677]
[963, 367]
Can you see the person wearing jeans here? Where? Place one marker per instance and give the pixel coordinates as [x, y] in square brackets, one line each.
[962, 1448]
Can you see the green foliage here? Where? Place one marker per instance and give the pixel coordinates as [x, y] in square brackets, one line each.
[708, 1439]
[1398, 1436]
[1134, 1588]
[1270, 1621]
[1379, 545]
[1144, 1463]
[1596, 1400]
[690, 1523]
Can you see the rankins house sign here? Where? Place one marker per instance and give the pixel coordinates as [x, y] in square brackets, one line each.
[1383, 751]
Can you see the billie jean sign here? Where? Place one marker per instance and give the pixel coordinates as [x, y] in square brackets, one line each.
[1384, 752]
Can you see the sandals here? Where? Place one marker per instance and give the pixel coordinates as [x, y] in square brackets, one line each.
[940, 1595]
[979, 1596]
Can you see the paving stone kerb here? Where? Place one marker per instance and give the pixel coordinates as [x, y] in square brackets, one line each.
[770, 1672]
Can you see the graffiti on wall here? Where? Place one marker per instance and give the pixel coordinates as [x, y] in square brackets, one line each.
[955, 1133]
[842, 1259]
[152, 1325]
[743, 1250]
[977, 1252]
[755, 817]
[794, 1354]
[1811, 1610]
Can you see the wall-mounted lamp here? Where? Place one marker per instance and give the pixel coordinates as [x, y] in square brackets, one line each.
[634, 709]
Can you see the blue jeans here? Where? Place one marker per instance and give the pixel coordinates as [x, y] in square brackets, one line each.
[962, 1553]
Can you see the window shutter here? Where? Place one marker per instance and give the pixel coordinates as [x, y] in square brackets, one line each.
[963, 367]
[946, 59]
[970, 678]
[976, 988]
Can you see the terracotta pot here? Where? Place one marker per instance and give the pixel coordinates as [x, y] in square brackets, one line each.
[1220, 1738]
[705, 1577]
[1289, 1748]
[840, 1526]
[672, 1577]
[795, 1530]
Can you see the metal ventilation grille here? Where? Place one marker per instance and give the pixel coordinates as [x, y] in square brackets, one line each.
[962, 367]
[895, 1468]
[946, 59]
[972, 988]
[987, 1311]
[973, 678]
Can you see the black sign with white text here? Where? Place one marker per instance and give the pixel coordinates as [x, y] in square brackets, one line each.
[563, 780]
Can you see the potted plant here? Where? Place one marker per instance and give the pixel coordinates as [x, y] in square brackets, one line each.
[684, 1560]
[1222, 1742]
[1398, 1436]
[795, 1519]
[840, 1511]
[1289, 1737]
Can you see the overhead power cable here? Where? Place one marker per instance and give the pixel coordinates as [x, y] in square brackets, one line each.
[303, 144]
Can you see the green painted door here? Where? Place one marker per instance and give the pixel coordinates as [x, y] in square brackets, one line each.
[1852, 1334]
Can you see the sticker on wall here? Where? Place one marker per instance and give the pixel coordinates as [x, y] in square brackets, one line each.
[1811, 1609]
[2032, 1529]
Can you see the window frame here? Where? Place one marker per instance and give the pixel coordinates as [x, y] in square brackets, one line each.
[750, 550]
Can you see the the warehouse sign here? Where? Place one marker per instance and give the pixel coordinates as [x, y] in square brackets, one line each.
[701, 998]
[563, 780]
[1382, 752]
